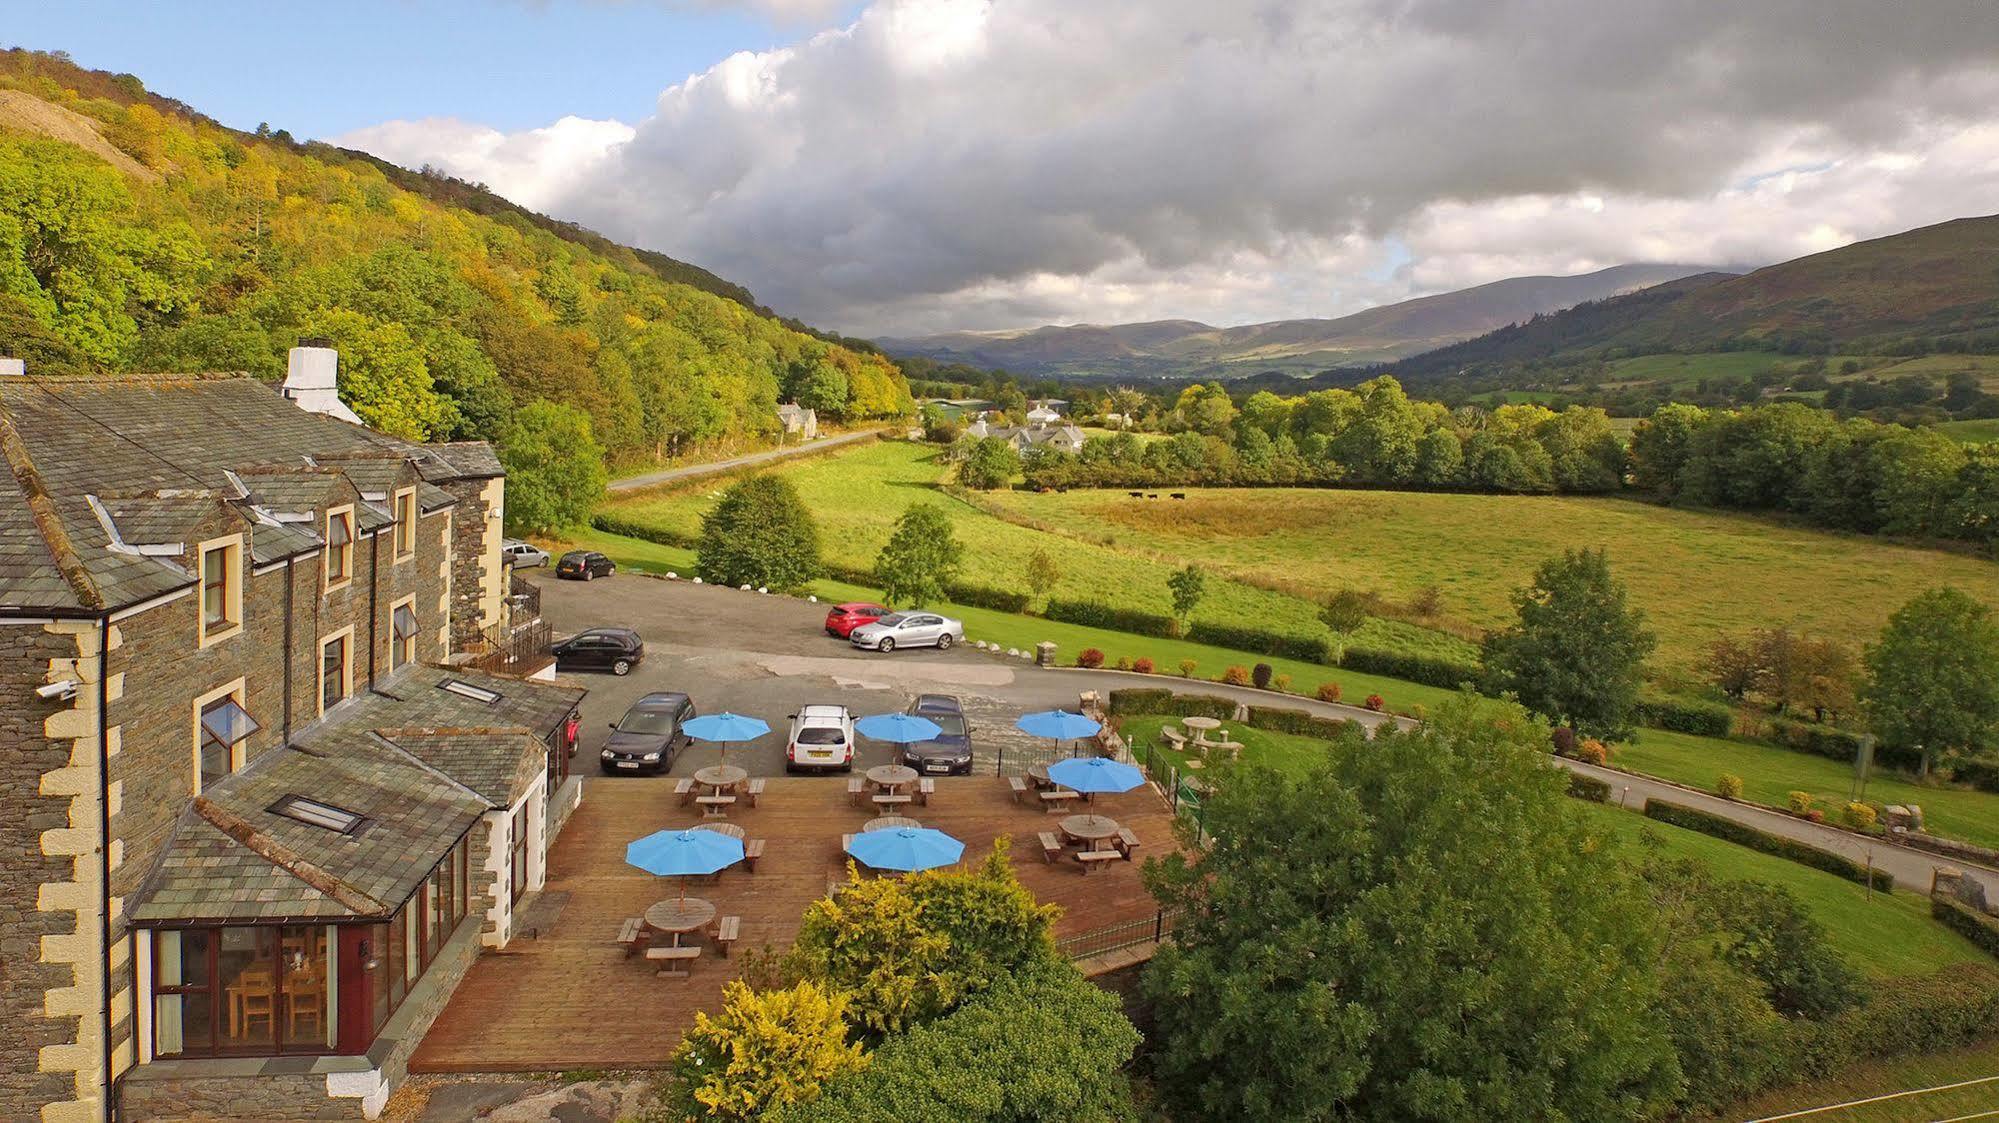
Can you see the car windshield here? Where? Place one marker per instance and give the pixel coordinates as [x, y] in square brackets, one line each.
[821, 736]
[948, 725]
[646, 721]
[892, 619]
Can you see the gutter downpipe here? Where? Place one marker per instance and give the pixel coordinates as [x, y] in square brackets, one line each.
[291, 577]
[104, 850]
[374, 586]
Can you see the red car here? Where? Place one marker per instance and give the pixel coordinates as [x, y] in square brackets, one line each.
[842, 619]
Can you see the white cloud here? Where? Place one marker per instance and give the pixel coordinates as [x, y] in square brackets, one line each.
[961, 163]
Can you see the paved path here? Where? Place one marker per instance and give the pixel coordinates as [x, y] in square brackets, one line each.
[714, 467]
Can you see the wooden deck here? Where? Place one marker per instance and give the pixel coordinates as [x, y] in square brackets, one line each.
[569, 998]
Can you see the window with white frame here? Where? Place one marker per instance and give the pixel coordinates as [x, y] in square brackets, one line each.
[402, 633]
[336, 668]
[220, 564]
[339, 546]
[405, 512]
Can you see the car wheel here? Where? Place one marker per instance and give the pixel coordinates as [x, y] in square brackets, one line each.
[886, 644]
[588, 573]
[622, 667]
[944, 642]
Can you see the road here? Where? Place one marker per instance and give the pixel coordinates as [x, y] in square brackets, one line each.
[764, 656]
[715, 467]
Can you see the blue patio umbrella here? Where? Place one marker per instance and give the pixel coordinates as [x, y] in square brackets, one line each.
[725, 727]
[1095, 774]
[1057, 725]
[905, 848]
[899, 728]
[684, 853]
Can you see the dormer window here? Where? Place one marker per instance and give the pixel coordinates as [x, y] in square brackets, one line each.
[220, 574]
[405, 512]
[339, 546]
[402, 633]
[222, 729]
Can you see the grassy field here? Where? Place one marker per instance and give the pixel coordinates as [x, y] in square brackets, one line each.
[1695, 574]
[1769, 774]
[1871, 1079]
[1686, 370]
[858, 496]
[1970, 432]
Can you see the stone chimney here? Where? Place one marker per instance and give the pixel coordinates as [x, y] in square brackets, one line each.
[13, 366]
[312, 380]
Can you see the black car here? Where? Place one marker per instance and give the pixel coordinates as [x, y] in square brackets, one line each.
[645, 739]
[950, 752]
[616, 650]
[582, 565]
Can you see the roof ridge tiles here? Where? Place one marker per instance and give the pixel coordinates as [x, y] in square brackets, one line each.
[41, 506]
[285, 858]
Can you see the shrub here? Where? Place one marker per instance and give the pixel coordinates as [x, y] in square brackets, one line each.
[1563, 739]
[1742, 834]
[1097, 614]
[1728, 786]
[1297, 721]
[1124, 662]
[1589, 787]
[983, 596]
[970, 1067]
[1259, 676]
[1328, 692]
[1799, 802]
[1859, 816]
[763, 1050]
[1593, 751]
[1142, 665]
[1815, 815]
[1702, 718]
[1973, 925]
[1236, 676]
[1375, 703]
[1824, 740]
[1281, 682]
[1311, 649]
[1133, 700]
[1929, 1013]
[1187, 668]
[760, 533]
[629, 528]
[1090, 657]
[1426, 669]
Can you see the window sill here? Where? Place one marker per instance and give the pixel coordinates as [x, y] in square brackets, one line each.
[336, 586]
[211, 636]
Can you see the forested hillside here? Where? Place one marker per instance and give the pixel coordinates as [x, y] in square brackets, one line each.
[202, 248]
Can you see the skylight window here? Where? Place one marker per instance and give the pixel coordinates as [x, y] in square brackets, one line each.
[315, 813]
[467, 690]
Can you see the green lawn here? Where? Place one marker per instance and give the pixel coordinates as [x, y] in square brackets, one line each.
[1769, 774]
[857, 496]
[1869, 1079]
[1970, 432]
[1695, 574]
[1288, 752]
[1687, 370]
[1884, 935]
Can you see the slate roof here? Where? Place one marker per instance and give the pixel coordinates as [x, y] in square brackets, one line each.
[162, 446]
[420, 763]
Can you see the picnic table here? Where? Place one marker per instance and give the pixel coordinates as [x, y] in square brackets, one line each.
[891, 776]
[1201, 727]
[1089, 830]
[1038, 773]
[677, 916]
[721, 777]
[888, 823]
[730, 829]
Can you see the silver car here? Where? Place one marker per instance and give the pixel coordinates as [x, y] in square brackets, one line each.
[523, 555]
[908, 629]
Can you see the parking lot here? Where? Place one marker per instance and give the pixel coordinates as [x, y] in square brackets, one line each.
[764, 656]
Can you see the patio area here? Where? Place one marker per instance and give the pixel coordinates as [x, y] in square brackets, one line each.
[567, 996]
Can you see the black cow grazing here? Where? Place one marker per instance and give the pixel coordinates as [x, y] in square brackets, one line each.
[1179, 495]
[1154, 495]
[1136, 494]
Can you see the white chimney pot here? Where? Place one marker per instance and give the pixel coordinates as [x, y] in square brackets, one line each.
[312, 380]
[13, 366]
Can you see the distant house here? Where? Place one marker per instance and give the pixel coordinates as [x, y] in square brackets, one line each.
[797, 421]
[1116, 420]
[1042, 415]
[1062, 438]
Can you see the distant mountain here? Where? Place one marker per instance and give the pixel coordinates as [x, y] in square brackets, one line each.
[1923, 287]
[1180, 348]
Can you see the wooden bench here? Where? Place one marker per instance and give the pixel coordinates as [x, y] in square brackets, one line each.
[1018, 786]
[856, 787]
[1173, 737]
[714, 806]
[1127, 841]
[1056, 799]
[892, 799]
[752, 850]
[673, 957]
[632, 935]
[1051, 847]
[1091, 859]
[925, 788]
[755, 789]
[726, 933]
[684, 788]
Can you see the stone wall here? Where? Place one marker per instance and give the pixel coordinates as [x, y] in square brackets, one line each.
[478, 575]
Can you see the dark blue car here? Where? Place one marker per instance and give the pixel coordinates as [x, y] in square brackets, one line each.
[950, 752]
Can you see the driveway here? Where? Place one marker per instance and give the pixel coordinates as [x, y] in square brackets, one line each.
[764, 656]
[714, 467]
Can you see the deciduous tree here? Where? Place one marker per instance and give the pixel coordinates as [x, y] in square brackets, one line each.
[759, 534]
[763, 1050]
[1576, 652]
[1933, 677]
[555, 471]
[920, 558]
[1187, 584]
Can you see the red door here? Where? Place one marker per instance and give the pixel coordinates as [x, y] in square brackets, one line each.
[358, 944]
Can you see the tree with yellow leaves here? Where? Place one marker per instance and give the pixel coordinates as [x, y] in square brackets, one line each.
[764, 1050]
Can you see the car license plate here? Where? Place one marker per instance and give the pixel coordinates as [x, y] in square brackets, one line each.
[937, 768]
[627, 763]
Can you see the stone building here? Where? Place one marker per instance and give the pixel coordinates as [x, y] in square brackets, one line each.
[260, 809]
[798, 421]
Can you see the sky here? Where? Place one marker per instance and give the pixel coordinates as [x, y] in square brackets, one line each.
[895, 167]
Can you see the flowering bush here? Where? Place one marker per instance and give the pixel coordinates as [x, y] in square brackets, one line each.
[1124, 662]
[1800, 803]
[1281, 682]
[1187, 668]
[1815, 815]
[1593, 751]
[1329, 692]
[1142, 665]
[1375, 703]
[1859, 816]
[1236, 676]
[1090, 657]
[1728, 786]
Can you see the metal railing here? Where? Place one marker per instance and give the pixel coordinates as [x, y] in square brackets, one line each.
[1116, 937]
[526, 597]
[519, 650]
